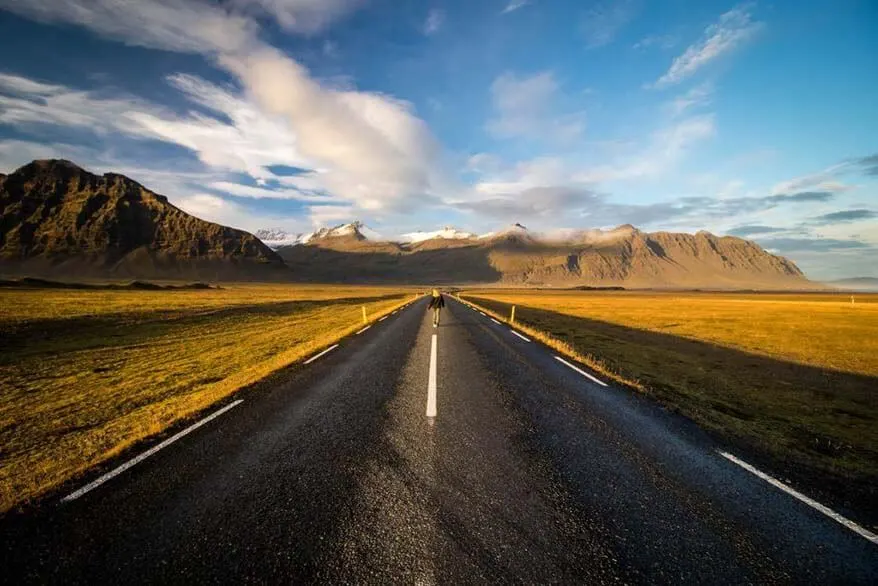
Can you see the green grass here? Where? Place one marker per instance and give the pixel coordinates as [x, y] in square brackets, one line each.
[794, 377]
[85, 374]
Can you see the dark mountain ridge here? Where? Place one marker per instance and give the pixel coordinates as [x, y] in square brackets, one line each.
[58, 219]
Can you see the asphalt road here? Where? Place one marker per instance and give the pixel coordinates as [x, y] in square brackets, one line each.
[529, 473]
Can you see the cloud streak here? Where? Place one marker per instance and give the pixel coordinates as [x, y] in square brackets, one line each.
[733, 29]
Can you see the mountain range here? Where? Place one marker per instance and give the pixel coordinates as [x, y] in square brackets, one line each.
[58, 220]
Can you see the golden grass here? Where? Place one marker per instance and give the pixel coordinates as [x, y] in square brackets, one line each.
[819, 330]
[794, 376]
[86, 374]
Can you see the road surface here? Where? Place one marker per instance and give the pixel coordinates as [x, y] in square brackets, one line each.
[529, 472]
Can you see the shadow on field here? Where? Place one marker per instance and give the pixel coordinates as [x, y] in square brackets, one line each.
[816, 426]
[21, 339]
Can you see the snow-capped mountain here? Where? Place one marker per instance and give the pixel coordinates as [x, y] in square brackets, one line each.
[277, 237]
[356, 230]
[515, 229]
[446, 233]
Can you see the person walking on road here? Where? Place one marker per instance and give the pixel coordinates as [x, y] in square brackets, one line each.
[436, 304]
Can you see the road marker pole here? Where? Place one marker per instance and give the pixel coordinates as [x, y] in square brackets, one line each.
[512, 317]
[365, 320]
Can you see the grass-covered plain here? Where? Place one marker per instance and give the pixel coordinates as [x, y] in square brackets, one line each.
[791, 376]
[84, 374]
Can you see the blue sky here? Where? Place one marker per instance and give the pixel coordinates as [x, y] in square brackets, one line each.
[752, 119]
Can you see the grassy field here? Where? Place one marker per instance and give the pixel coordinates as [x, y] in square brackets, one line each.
[84, 374]
[792, 376]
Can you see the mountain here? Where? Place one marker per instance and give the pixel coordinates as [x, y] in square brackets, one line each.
[277, 237]
[446, 233]
[624, 256]
[855, 283]
[59, 220]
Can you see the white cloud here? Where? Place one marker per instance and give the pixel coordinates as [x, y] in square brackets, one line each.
[371, 148]
[301, 16]
[733, 29]
[528, 107]
[435, 20]
[603, 21]
[515, 5]
[658, 41]
[25, 101]
[222, 211]
[375, 152]
[699, 96]
[666, 148]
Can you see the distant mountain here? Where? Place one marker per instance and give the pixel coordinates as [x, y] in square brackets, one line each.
[624, 256]
[446, 233]
[59, 220]
[855, 283]
[277, 237]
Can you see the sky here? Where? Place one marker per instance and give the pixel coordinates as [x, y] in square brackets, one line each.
[755, 119]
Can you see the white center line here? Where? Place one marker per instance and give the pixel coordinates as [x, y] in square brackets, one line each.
[808, 501]
[313, 358]
[520, 336]
[495, 321]
[134, 461]
[383, 318]
[363, 330]
[580, 371]
[431, 381]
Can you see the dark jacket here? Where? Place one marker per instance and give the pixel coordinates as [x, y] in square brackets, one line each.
[437, 302]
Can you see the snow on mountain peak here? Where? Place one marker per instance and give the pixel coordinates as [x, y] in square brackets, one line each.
[446, 233]
[276, 237]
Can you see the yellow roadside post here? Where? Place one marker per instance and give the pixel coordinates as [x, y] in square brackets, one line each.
[365, 320]
[512, 317]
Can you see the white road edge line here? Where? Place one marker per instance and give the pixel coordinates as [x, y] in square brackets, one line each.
[431, 380]
[580, 371]
[520, 336]
[483, 315]
[383, 318]
[808, 501]
[134, 461]
[363, 330]
[495, 321]
[328, 350]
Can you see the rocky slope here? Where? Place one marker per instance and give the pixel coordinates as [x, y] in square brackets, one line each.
[59, 220]
[625, 257]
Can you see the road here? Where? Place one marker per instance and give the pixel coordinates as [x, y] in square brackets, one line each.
[529, 472]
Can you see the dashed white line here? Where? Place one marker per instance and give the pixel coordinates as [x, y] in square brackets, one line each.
[328, 350]
[808, 501]
[431, 380]
[134, 461]
[363, 330]
[495, 321]
[483, 314]
[520, 336]
[383, 318]
[580, 371]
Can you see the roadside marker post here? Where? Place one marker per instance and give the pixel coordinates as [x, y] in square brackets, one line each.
[512, 317]
[365, 319]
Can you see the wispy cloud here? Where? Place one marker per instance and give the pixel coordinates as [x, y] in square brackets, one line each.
[697, 97]
[515, 5]
[528, 107]
[434, 22]
[657, 41]
[734, 28]
[604, 20]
